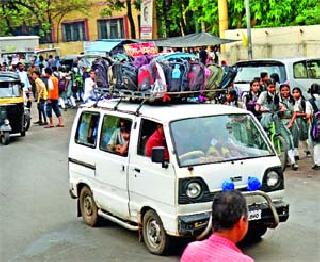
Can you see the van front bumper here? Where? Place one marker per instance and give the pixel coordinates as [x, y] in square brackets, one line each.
[193, 225]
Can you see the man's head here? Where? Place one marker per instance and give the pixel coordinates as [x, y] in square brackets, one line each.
[35, 74]
[230, 214]
[160, 129]
[314, 89]
[48, 72]
[264, 76]
[93, 74]
[20, 66]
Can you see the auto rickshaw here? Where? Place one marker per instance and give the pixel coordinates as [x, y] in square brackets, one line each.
[13, 114]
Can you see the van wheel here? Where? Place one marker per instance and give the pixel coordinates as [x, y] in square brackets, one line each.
[255, 232]
[155, 237]
[5, 138]
[89, 209]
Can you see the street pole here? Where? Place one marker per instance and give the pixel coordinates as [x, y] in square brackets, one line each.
[249, 29]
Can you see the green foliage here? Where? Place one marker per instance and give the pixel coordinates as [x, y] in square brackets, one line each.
[266, 13]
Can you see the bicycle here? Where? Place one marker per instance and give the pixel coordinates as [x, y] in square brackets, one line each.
[279, 143]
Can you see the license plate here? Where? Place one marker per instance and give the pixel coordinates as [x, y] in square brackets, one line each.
[254, 214]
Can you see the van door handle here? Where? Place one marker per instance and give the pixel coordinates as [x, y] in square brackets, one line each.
[137, 170]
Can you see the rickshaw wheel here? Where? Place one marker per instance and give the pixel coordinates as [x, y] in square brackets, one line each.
[5, 138]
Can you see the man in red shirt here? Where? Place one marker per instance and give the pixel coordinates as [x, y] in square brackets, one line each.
[157, 139]
[230, 225]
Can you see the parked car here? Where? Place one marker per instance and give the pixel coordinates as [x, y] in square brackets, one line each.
[300, 72]
[209, 148]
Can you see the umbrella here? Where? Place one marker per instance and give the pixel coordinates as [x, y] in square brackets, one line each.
[201, 39]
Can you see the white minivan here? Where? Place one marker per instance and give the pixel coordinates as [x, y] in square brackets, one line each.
[301, 72]
[209, 148]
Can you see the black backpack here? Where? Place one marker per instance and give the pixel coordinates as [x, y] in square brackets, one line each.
[100, 66]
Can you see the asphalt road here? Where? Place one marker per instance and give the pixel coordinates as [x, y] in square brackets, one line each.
[38, 218]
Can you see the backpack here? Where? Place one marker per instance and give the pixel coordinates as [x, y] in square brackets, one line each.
[315, 123]
[129, 77]
[176, 75]
[62, 84]
[117, 75]
[145, 79]
[214, 78]
[100, 66]
[195, 76]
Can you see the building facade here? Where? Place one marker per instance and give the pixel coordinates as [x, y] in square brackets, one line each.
[77, 27]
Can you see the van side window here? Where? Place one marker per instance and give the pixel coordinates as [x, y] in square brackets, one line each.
[87, 129]
[115, 135]
[151, 134]
[300, 70]
[313, 67]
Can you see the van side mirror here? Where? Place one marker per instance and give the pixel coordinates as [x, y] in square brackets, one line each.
[158, 156]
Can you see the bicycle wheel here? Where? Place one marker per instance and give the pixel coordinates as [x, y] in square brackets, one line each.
[281, 148]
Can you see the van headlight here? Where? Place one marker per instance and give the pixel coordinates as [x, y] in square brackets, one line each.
[193, 190]
[272, 178]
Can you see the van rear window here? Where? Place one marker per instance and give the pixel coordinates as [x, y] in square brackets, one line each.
[246, 71]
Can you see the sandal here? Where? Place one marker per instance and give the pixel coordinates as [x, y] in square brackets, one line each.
[48, 126]
[59, 125]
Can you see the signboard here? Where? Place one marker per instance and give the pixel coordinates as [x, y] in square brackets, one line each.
[146, 19]
[138, 49]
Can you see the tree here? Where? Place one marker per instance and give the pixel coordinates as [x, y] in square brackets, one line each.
[268, 13]
[41, 13]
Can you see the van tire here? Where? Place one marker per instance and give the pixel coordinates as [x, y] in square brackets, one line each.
[89, 209]
[155, 237]
[255, 232]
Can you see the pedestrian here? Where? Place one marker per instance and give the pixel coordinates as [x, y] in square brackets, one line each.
[270, 107]
[232, 98]
[263, 79]
[230, 225]
[53, 97]
[250, 100]
[51, 62]
[203, 55]
[300, 117]
[287, 116]
[25, 81]
[42, 95]
[313, 114]
[89, 85]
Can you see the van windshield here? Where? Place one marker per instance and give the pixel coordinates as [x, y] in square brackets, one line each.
[206, 140]
[246, 71]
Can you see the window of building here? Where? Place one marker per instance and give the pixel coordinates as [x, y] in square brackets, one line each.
[115, 135]
[87, 129]
[110, 29]
[75, 31]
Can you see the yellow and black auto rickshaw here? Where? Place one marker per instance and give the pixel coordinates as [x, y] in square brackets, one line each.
[13, 116]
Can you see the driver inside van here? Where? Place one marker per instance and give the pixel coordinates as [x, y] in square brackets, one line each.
[157, 139]
[119, 141]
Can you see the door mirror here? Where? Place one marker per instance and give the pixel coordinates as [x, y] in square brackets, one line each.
[157, 154]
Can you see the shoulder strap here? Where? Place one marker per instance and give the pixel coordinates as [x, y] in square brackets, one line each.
[314, 106]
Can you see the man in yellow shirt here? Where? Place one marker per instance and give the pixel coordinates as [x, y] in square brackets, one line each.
[42, 96]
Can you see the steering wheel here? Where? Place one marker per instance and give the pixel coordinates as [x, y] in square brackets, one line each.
[191, 155]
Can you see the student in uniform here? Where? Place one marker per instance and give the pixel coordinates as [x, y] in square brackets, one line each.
[270, 107]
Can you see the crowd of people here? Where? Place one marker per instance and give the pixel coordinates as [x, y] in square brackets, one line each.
[53, 86]
[288, 109]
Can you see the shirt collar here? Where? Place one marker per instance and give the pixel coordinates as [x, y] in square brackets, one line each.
[223, 241]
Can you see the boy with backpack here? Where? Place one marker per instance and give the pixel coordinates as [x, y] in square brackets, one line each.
[313, 114]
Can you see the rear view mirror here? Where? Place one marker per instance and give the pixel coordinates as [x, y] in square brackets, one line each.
[157, 154]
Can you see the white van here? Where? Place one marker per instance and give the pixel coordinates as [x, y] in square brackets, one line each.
[210, 148]
[301, 72]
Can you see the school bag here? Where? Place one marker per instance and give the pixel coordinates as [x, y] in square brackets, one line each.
[176, 75]
[195, 76]
[315, 123]
[100, 66]
[145, 79]
[214, 78]
[62, 83]
[129, 77]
